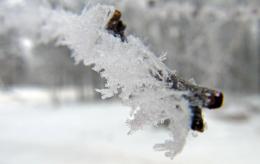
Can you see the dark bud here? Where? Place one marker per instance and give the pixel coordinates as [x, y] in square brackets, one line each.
[116, 26]
[215, 100]
[197, 122]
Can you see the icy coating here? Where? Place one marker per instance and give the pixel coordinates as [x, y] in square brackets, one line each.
[129, 69]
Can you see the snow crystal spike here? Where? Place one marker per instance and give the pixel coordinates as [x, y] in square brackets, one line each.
[116, 26]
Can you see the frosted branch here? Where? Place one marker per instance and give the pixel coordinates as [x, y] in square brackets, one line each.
[134, 73]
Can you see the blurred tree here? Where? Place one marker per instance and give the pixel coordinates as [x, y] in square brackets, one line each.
[12, 62]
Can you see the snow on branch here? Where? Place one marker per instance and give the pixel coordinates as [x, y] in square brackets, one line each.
[134, 73]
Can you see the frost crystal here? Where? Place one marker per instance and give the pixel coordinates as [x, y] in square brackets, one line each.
[130, 70]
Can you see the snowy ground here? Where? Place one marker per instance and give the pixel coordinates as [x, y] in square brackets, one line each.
[35, 132]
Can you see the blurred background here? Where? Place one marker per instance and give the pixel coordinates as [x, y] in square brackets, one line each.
[50, 112]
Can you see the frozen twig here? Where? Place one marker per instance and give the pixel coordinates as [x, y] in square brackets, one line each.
[134, 73]
[197, 96]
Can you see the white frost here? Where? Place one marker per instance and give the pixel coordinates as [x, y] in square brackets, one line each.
[129, 69]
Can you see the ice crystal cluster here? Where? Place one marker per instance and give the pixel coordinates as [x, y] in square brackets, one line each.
[129, 68]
